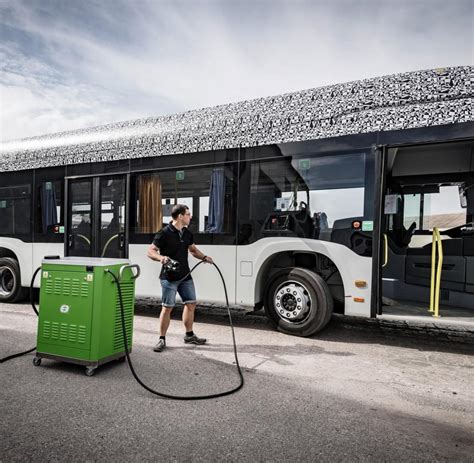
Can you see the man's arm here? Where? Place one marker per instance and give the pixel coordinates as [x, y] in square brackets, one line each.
[199, 254]
[154, 254]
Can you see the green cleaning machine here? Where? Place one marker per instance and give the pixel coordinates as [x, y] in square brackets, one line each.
[79, 316]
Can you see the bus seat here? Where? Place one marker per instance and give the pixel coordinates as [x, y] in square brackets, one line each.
[468, 252]
[305, 223]
[468, 246]
[453, 275]
[451, 247]
[320, 224]
[401, 235]
[358, 241]
[342, 230]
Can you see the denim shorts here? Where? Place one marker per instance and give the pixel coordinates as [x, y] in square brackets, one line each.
[184, 288]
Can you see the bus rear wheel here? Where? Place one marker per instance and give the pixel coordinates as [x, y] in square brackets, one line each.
[298, 302]
[10, 281]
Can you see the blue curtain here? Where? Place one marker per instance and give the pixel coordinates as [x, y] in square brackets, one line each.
[49, 214]
[216, 202]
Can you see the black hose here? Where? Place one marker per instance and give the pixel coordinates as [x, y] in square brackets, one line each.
[32, 301]
[169, 396]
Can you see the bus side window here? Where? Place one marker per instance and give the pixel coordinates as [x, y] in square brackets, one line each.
[209, 192]
[49, 194]
[15, 203]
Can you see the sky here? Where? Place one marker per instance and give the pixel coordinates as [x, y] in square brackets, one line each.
[70, 64]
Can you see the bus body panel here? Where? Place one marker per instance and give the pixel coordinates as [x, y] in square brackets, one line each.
[243, 289]
[206, 278]
[350, 265]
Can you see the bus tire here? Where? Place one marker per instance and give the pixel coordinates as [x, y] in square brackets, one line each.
[10, 281]
[298, 302]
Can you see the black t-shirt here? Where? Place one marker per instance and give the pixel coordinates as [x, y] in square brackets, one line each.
[174, 243]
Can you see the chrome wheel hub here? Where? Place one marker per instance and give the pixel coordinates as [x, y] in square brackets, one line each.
[292, 301]
[7, 281]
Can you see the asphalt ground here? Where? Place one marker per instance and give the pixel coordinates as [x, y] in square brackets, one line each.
[348, 394]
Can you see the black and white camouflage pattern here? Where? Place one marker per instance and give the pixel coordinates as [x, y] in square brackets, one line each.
[401, 101]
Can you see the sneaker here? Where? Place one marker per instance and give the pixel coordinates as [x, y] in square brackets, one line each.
[194, 340]
[161, 346]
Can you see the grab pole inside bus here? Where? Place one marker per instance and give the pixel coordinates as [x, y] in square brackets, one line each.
[436, 268]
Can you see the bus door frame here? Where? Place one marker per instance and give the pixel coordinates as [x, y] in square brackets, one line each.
[380, 152]
[95, 210]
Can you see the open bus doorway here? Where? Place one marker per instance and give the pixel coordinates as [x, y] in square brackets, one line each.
[429, 193]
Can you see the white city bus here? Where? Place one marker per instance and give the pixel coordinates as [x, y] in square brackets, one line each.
[311, 203]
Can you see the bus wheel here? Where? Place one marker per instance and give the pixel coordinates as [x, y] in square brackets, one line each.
[298, 302]
[10, 281]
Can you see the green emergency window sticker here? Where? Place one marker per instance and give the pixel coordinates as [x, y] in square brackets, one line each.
[180, 175]
[367, 225]
[304, 164]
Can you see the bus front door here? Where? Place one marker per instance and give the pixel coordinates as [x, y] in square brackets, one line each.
[96, 222]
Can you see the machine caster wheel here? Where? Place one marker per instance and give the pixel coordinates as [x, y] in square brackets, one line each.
[90, 371]
[36, 361]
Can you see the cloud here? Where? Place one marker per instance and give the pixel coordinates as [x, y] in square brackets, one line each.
[36, 99]
[69, 64]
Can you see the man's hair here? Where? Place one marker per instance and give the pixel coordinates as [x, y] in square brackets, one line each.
[178, 209]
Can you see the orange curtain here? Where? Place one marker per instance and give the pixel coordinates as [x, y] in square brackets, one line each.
[150, 211]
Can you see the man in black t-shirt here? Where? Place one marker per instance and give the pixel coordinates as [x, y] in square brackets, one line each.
[174, 242]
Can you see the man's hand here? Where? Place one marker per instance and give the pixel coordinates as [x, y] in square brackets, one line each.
[208, 259]
[154, 254]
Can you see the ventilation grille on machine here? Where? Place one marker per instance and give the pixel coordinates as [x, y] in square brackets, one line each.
[66, 332]
[128, 296]
[67, 287]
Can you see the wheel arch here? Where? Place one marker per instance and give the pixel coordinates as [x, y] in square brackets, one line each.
[6, 252]
[317, 262]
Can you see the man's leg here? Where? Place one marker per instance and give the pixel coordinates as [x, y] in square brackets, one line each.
[188, 320]
[188, 294]
[168, 296]
[165, 319]
[188, 316]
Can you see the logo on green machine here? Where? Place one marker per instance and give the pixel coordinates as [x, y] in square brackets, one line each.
[64, 308]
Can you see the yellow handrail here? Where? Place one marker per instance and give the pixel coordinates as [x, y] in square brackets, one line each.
[438, 276]
[433, 270]
[385, 246]
[435, 287]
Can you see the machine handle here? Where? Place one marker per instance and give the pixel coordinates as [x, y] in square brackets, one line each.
[134, 266]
